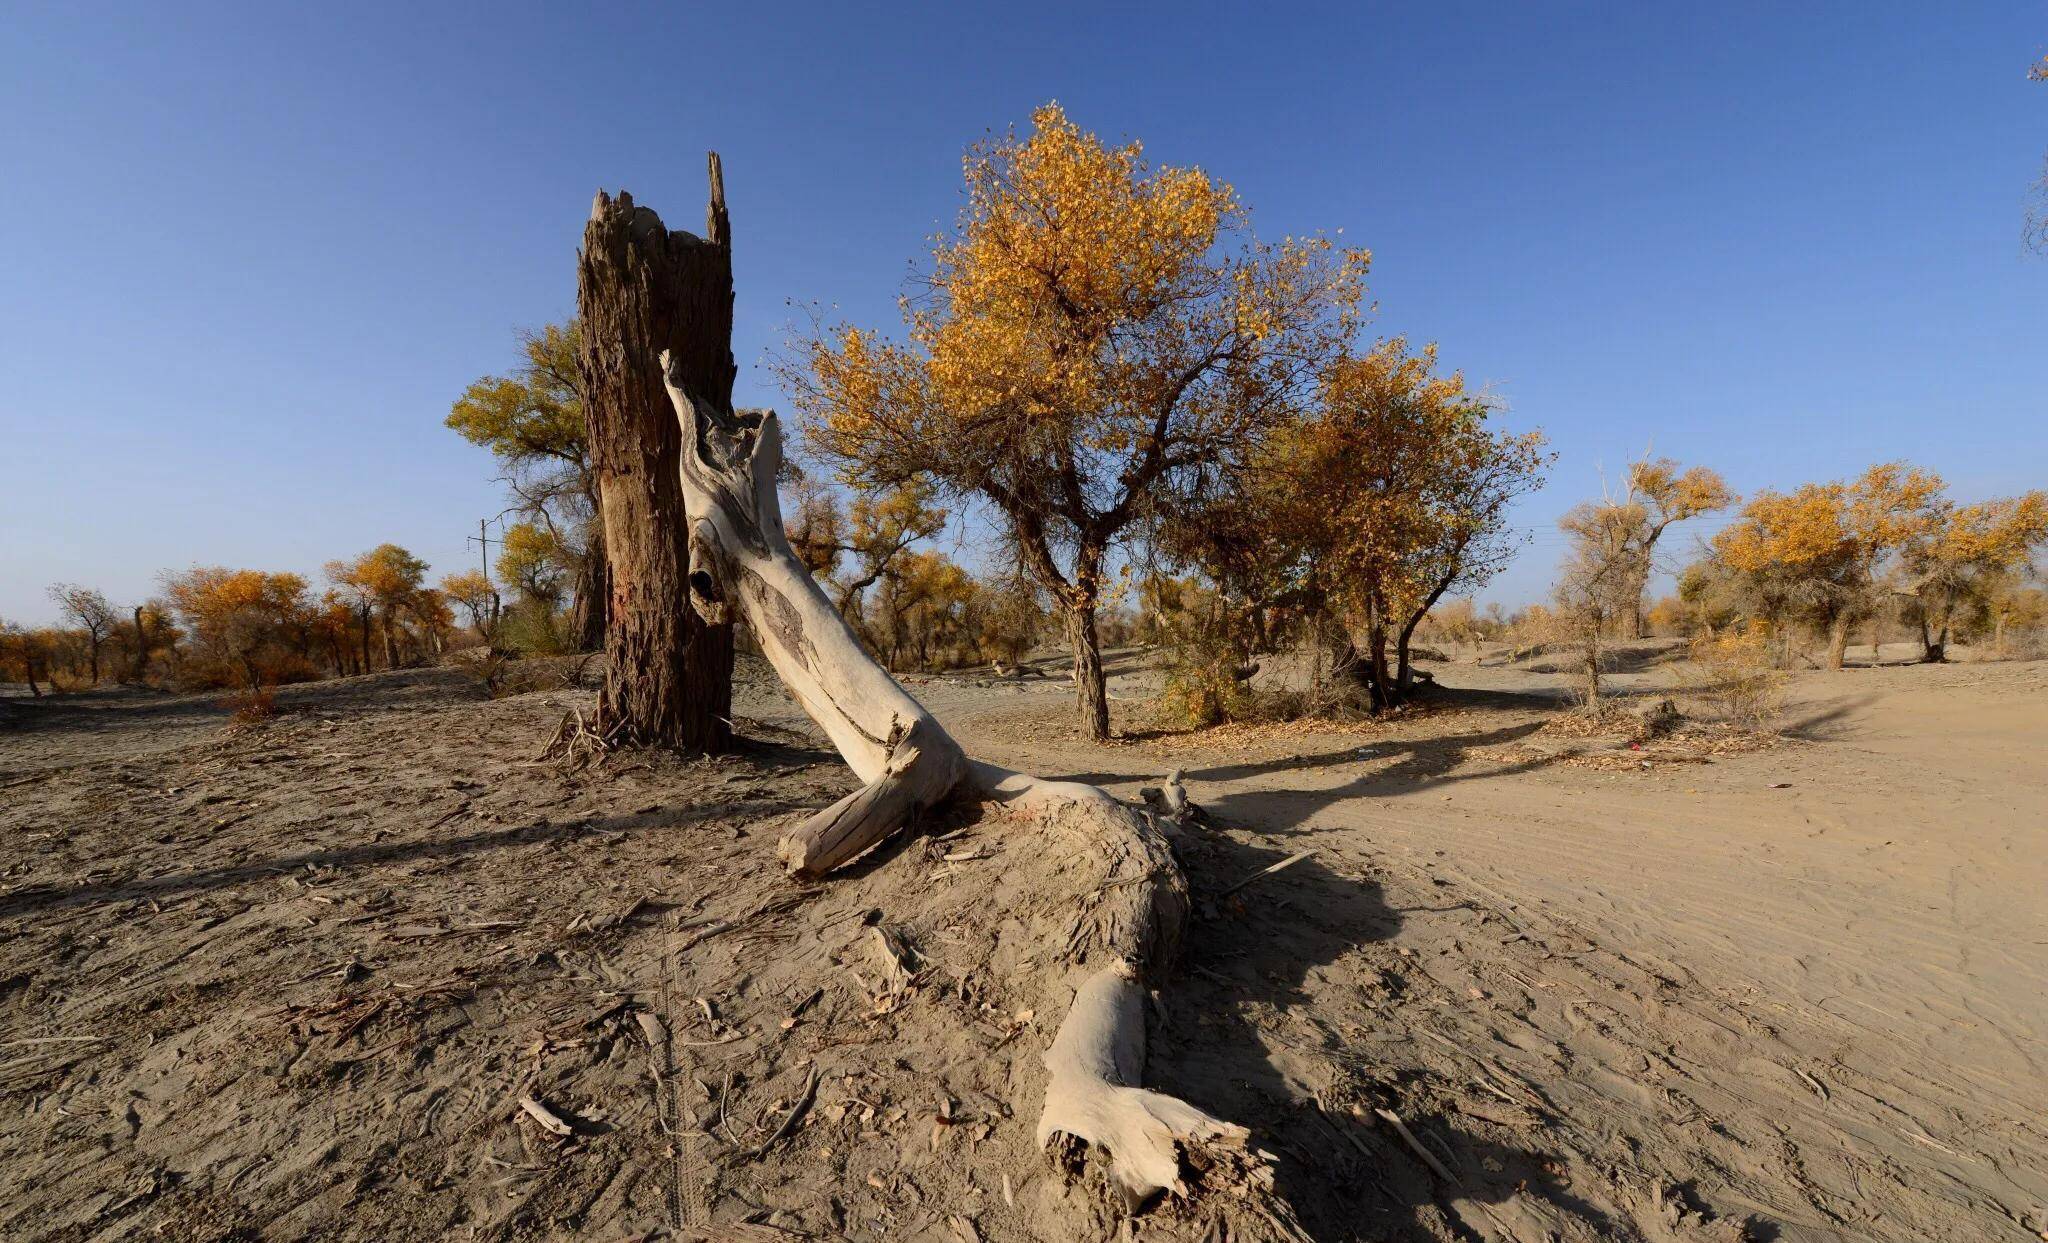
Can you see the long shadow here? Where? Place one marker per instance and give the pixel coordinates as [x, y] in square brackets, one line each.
[1240, 1018]
[376, 854]
[101, 710]
[1814, 728]
[1422, 764]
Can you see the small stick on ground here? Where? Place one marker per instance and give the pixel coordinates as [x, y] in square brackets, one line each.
[796, 1111]
[1414, 1145]
[548, 1118]
[1288, 862]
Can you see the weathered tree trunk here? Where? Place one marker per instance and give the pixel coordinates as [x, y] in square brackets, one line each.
[1090, 693]
[1934, 647]
[141, 647]
[1133, 897]
[1632, 610]
[644, 292]
[1384, 698]
[1838, 639]
[1404, 674]
[587, 613]
[391, 636]
[363, 615]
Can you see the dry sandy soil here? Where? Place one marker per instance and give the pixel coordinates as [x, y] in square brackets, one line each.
[294, 980]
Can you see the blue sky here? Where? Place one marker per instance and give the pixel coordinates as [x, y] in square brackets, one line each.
[252, 253]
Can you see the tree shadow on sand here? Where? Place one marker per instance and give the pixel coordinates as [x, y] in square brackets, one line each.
[1242, 1035]
[449, 841]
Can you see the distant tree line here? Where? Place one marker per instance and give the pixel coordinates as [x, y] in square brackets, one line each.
[1888, 549]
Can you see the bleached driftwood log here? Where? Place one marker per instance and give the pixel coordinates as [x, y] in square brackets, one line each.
[1126, 930]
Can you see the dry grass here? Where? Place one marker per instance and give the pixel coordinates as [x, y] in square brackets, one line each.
[252, 706]
[1735, 679]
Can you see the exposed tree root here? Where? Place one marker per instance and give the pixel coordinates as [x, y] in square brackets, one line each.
[1132, 899]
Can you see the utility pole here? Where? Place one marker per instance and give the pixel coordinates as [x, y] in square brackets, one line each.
[483, 541]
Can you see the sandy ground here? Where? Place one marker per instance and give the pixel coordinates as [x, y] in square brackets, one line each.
[291, 981]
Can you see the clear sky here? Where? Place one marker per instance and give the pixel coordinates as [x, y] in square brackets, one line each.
[249, 255]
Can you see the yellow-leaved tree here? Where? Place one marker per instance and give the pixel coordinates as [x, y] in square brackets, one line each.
[1397, 491]
[478, 596]
[247, 625]
[1968, 560]
[1658, 496]
[1093, 334]
[389, 579]
[1359, 513]
[1814, 555]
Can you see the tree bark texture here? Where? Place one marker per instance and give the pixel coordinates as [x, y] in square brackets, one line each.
[643, 292]
[1838, 639]
[587, 614]
[1090, 692]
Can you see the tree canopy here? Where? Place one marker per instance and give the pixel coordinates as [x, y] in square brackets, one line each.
[1093, 335]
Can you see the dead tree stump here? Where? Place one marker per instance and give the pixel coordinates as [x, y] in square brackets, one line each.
[643, 292]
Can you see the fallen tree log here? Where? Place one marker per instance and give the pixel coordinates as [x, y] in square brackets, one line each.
[1132, 900]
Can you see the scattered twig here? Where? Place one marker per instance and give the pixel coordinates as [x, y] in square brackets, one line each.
[1288, 862]
[803, 1102]
[548, 1119]
[1415, 1145]
[450, 816]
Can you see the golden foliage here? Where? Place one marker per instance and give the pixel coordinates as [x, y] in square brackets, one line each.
[534, 560]
[1396, 482]
[1833, 531]
[478, 596]
[242, 622]
[1091, 325]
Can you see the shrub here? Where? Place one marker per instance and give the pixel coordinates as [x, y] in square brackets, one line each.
[1203, 686]
[1740, 679]
[252, 706]
[531, 628]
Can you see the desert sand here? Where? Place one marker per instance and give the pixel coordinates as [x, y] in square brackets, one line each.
[303, 978]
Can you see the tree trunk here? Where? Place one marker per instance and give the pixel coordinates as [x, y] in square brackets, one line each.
[1934, 650]
[390, 636]
[1382, 680]
[141, 648]
[642, 292]
[1353, 667]
[1838, 640]
[1132, 896]
[587, 613]
[1090, 693]
[364, 615]
[1404, 674]
[1594, 625]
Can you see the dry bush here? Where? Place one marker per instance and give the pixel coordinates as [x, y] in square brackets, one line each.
[1203, 685]
[503, 675]
[1738, 678]
[532, 628]
[252, 706]
[1589, 720]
